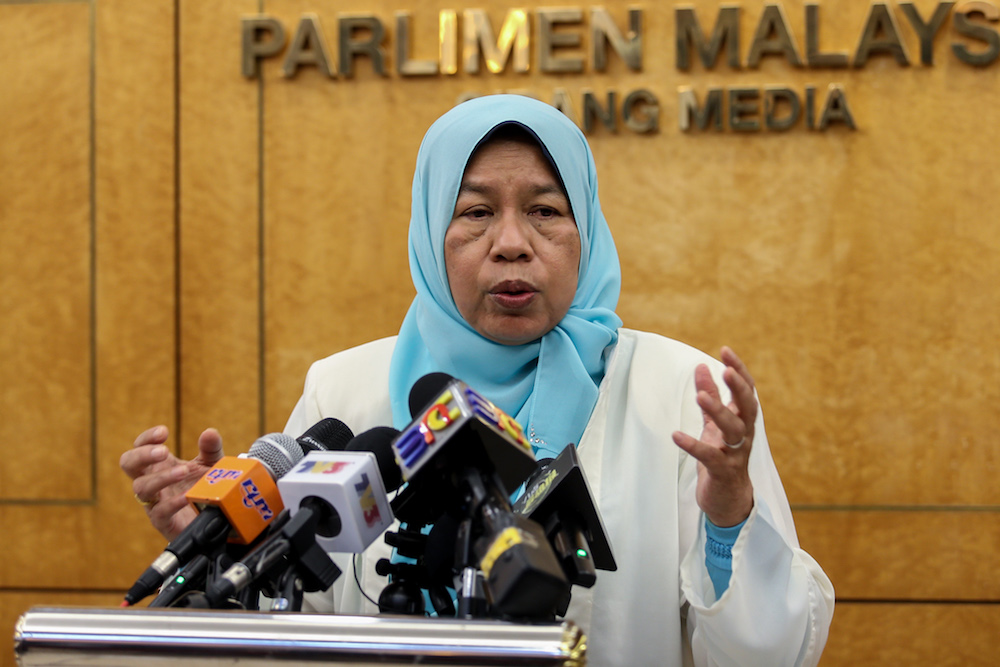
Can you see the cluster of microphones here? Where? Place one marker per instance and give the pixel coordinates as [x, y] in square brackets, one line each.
[268, 519]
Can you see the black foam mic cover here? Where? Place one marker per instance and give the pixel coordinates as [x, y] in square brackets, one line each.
[378, 441]
[425, 390]
[328, 434]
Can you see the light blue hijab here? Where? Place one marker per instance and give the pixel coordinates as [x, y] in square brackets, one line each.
[548, 385]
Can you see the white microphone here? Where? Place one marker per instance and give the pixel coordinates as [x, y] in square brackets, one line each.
[347, 492]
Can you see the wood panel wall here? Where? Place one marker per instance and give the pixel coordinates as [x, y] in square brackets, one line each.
[179, 242]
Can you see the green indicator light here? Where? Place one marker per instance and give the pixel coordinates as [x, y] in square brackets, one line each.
[180, 579]
[582, 553]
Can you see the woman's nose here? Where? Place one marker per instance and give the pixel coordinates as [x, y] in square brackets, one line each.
[512, 240]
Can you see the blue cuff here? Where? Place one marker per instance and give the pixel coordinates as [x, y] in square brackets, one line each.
[719, 554]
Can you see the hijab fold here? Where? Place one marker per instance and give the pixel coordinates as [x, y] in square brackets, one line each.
[549, 385]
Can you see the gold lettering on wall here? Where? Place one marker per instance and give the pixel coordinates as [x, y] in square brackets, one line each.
[575, 40]
[551, 38]
[604, 31]
[513, 38]
[404, 63]
[966, 24]
[308, 47]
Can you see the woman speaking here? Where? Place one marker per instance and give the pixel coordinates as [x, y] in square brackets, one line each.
[517, 280]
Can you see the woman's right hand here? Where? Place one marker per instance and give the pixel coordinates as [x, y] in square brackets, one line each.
[160, 479]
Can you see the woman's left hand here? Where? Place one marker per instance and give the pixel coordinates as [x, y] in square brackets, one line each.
[725, 492]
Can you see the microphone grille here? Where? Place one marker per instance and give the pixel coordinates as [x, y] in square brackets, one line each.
[328, 434]
[278, 451]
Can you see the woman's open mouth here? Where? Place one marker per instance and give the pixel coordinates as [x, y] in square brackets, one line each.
[513, 294]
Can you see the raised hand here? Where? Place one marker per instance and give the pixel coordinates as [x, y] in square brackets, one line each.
[160, 479]
[725, 492]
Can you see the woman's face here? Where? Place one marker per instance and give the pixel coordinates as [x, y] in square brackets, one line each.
[512, 250]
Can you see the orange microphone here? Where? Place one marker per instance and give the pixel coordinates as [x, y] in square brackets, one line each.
[244, 490]
[235, 500]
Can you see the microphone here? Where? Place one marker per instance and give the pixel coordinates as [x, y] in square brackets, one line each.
[338, 503]
[236, 500]
[328, 434]
[291, 555]
[190, 578]
[458, 456]
[425, 390]
[346, 490]
[378, 441]
[558, 497]
[457, 428]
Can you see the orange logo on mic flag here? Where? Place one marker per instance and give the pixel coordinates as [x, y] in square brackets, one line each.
[245, 492]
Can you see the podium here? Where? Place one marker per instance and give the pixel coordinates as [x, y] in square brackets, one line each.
[88, 637]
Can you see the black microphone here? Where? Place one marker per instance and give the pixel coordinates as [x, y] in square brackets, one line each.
[558, 497]
[236, 499]
[425, 390]
[337, 503]
[457, 428]
[292, 554]
[191, 577]
[328, 434]
[458, 456]
[378, 441]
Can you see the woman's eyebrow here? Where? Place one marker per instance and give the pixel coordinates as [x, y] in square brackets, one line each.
[480, 189]
[474, 188]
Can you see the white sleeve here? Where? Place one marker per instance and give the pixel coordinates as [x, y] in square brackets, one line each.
[779, 604]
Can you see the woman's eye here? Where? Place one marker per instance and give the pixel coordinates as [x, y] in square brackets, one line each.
[478, 213]
[545, 212]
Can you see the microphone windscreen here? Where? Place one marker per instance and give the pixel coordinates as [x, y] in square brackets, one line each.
[425, 390]
[326, 435]
[277, 451]
[378, 441]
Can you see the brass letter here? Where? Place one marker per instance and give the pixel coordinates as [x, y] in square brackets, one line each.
[307, 48]
[254, 28]
[775, 95]
[980, 32]
[478, 33]
[592, 109]
[926, 31]
[880, 20]
[743, 101]
[448, 41]
[548, 40]
[404, 65]
[835, 110]
[813, 57]
[604, 31]
[350, 47]
[773, 22]
[641, 111]
[687, 106]
[727, 29]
